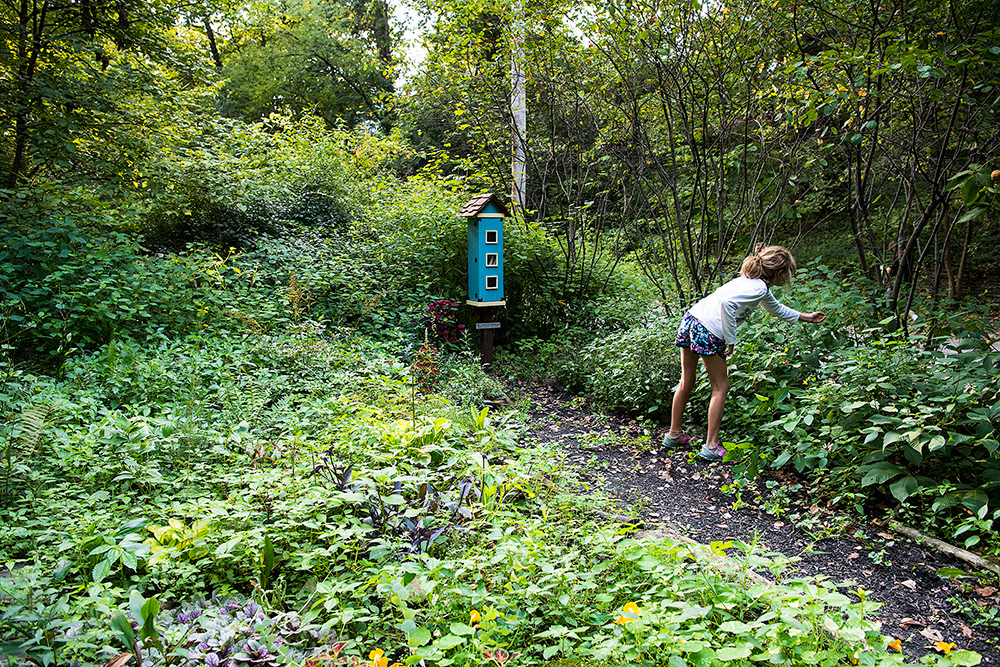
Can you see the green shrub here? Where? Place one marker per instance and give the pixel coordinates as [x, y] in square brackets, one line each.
[464, 382]
[64, 287]
[905, 418]
[635, 370]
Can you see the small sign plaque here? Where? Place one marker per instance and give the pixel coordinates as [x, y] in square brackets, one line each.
[487, 325]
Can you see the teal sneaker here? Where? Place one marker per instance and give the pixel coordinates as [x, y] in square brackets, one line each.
[671, 443]
[714, 453]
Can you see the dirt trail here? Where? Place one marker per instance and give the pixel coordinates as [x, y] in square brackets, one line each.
[683, 493]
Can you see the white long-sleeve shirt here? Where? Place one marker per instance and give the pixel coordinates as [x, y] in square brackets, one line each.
[727, 307]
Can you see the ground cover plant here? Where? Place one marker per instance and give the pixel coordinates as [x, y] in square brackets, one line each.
[295, 499]
[240, 422]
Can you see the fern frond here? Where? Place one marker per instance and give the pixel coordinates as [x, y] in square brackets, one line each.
[31, 425]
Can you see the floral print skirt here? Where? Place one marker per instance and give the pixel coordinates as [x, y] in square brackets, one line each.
[693, 335]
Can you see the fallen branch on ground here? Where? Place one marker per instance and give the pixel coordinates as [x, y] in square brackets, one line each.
[959, 553]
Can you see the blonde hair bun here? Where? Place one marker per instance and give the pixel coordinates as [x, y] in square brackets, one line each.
[774, 264]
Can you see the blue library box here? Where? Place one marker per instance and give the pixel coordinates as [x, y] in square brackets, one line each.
[485, 214]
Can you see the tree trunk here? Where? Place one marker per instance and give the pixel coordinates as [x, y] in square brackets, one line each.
[960, 275]
[32, 22]
[381, 32]
[213, 47]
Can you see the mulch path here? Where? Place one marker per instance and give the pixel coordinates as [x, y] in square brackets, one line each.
[683, 493]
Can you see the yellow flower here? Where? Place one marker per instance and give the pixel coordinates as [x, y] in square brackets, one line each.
[475, 617]
[378, 658]
[898, 645]
[944, 647]
[633, 611]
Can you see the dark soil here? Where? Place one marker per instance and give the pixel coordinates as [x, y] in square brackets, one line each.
[683, 493]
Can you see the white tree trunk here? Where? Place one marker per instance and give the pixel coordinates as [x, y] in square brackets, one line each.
[519, 108]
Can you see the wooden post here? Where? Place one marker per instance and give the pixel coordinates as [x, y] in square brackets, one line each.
[486, 317]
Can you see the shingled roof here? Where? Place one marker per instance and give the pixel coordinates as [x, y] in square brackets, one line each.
[475, 205]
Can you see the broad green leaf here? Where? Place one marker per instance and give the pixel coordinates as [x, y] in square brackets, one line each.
[460, 629]
[124, 629]
[736, 627]
[975, 500]
[730, 653]
[149, 612]
[135, 603]
[970, 190]
[952, 573]
[101, 570]
[448, 642]
[974, 214]
[879, 473]
[903, 488]
[419, 637]
[962, 658]
[129, 560]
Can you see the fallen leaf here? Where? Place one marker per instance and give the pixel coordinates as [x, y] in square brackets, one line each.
[932, 634]
[985, 591]
[966, 630]
[118, 660]
[908, 623]
[885, 535]
[853, 555]
[909, 583]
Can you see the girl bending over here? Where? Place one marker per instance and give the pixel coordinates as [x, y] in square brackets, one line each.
[708, 332]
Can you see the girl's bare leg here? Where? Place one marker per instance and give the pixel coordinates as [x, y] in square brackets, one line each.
[718, 376]
[689, 371]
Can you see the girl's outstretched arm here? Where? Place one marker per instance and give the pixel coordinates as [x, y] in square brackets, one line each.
[814, 318]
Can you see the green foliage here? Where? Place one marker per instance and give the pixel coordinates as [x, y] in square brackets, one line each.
[36, 619]
[615, 350]
[79, 90]
[329, 58]
[907, 417]
[67, 288]
[463, 380]
[289, 468]
[637, 369]
[175, 541]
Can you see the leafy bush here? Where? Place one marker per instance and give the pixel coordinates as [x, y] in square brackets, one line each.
[636, 370]
[913, 416]
[66, 287]
[627, 362]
